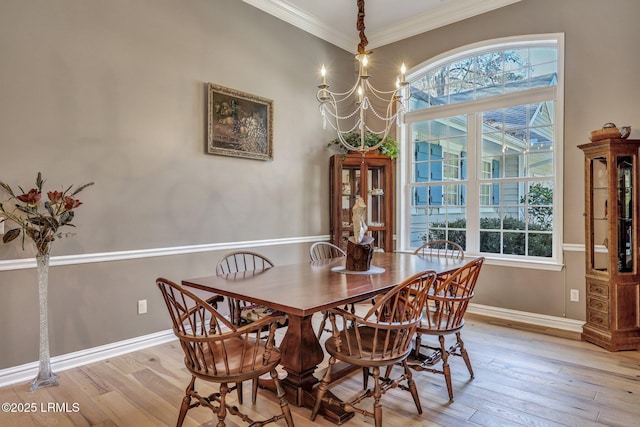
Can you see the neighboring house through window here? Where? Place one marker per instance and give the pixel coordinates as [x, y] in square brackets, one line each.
[482, 150]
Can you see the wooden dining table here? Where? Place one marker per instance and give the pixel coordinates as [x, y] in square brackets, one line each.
[302, 289]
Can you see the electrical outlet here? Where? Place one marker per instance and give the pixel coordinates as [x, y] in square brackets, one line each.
[142, 306]
[575, 295]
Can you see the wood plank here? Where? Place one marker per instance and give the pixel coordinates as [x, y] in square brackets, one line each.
[14, 415]
[126, 412]
[522, 378]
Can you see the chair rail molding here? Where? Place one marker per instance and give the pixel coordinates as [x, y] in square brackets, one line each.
[25, 263]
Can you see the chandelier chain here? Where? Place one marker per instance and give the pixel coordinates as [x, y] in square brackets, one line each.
[362, 46]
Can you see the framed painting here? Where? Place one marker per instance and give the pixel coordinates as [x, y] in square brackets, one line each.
[239, 124]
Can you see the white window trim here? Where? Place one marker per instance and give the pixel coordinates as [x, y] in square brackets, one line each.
[402, 165]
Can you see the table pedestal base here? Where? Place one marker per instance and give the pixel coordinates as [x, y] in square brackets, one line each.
[306, 397]
[301, 354]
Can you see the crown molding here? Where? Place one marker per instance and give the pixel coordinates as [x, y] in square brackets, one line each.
[446, 14]
[304, 21]
[443, 15]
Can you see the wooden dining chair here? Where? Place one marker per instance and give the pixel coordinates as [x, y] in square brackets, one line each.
[443, 315]
[243, 312]
[317, 252]
[220, 352]
[325, 250]
[380, 338]
[441, 249]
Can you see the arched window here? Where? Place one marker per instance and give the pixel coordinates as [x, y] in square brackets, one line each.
[482, 150]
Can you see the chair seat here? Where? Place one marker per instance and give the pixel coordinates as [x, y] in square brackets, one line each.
[228, 360]
[254, 312]
[366, 355]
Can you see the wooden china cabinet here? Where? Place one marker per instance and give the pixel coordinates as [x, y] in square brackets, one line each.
[611, 244]
[349, 175]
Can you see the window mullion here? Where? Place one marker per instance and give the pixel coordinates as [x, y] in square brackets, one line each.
[474, 133]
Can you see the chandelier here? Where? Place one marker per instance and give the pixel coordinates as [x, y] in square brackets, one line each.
[347, 112]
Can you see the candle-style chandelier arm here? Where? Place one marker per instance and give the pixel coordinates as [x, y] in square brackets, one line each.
[382, 94]
[323, 90]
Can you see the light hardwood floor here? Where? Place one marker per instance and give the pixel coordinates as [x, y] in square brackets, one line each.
[523, 378]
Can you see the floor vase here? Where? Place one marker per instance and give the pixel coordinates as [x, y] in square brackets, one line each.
[45, 377]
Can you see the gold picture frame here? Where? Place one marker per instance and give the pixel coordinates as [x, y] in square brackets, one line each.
[239, 124]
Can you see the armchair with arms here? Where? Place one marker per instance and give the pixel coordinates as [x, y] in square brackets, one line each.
[446, 305]
[220, 352]
[380, 338]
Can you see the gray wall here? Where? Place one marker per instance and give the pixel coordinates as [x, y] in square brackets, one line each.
[113, 92]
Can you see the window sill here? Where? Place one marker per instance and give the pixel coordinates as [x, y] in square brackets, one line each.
[518, 263]
[515, 263]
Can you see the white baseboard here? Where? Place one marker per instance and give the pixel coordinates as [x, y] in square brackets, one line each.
[28, 371]
[63, 362]
[562, 323]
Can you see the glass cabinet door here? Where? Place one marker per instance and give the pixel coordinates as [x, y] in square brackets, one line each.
[375, 201]
[625, 213]
[350, 192]
[600, 213]
[619, 213]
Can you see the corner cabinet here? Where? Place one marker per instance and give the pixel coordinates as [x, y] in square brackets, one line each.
[349, 175]
[611, 244]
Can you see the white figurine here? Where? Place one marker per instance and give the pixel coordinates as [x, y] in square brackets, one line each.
[358, 216]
